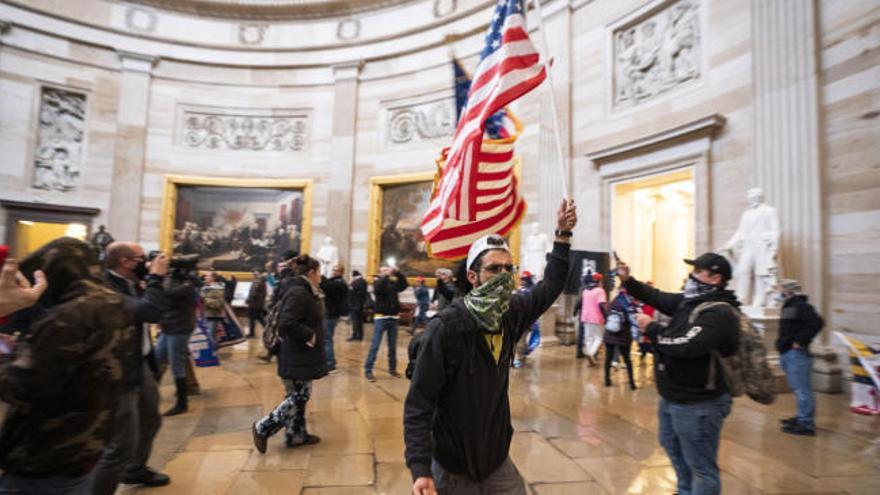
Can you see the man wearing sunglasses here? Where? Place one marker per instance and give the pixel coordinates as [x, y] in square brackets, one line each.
[457, 412]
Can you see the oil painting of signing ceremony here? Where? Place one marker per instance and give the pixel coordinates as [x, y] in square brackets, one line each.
[454, 247]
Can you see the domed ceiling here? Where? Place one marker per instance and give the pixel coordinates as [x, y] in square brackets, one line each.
[271, 9]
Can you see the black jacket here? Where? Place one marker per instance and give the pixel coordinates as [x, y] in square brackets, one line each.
[357, 296]
[457, 409]
[385, 291]
[145, 306]
[800, 323]
[336, 297]
[179, 317]
[683, 351]
[301, 318]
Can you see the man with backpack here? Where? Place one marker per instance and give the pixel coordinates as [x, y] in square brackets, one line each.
[457, 413]
[800, 323]
[695, 396]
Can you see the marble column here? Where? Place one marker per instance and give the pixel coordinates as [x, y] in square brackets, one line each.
[341, 181]
[786, 145]
[131, 133]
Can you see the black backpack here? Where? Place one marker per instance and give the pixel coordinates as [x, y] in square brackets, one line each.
[453, 347]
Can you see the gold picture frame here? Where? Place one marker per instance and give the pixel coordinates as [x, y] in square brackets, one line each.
[378, 185]
[173, 183]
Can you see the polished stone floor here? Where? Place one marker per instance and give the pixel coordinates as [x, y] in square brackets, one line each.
[573, 435]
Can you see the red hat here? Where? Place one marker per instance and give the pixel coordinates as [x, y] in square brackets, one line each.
[526, 274]
[597, 277]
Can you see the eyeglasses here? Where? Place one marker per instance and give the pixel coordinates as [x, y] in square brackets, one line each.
[497, 268]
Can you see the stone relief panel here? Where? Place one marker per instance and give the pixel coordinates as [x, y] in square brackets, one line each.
[421, 121]
[138, 19]
[60, 138]
[281, 131]
[656, 53]
[252, 34]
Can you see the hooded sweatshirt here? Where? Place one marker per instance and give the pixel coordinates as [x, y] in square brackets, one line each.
[684, 350]
[457, 410]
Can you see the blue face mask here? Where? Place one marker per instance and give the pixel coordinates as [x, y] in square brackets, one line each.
[780, 297]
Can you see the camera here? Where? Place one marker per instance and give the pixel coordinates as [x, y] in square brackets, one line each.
[181, 266]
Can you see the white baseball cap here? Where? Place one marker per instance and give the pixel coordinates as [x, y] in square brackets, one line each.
[483, 244]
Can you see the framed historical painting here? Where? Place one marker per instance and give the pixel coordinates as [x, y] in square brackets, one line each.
[235, 225]
[397, 204]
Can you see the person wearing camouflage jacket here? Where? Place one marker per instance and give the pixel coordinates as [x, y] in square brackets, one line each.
[64, 376]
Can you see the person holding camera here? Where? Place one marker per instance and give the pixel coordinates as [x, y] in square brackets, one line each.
[695, 398]
[137, 416]
[178, 322]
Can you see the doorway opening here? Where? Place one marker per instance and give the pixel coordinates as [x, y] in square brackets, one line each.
[652, 226]
[31, 235]
[30, 226]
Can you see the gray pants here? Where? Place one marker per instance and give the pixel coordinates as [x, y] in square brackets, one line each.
[506, 480]
[136, 424]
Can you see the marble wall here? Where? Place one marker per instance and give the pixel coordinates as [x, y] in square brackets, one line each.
[641, 86]
[849, 61]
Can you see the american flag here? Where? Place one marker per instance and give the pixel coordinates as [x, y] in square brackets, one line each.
[477, 191]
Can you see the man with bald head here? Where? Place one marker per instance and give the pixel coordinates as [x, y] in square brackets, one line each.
[137, 416]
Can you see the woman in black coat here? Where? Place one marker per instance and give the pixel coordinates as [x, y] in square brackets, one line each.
[618, 335]
[301, 358]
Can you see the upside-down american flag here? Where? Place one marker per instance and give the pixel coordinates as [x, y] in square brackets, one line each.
[477, 192]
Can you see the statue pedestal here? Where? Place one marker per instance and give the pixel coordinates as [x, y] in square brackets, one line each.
[827, 374]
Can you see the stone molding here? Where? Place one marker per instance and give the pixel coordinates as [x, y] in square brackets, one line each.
[443, 8]
[136, 62]
[275, 130]
[708, 125]
[61, 134]
[655, 49]
[351, 70]
[420, 121]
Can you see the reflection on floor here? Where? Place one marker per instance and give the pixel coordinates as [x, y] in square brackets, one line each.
[573, 435]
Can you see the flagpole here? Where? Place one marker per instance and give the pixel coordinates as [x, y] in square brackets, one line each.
[563, 158]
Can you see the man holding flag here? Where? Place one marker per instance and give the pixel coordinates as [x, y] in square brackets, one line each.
[457, 412]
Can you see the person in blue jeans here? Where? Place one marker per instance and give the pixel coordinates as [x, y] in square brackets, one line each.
[693, 405]
[423, 303]
[336, 303]
[799, 324]
[178, 322]
[388, 284]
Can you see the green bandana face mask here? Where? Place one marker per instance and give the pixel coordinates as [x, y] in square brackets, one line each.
[490, 301]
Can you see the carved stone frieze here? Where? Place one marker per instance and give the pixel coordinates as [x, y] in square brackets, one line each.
[428, 120]
[60, 138]
[288, 132]
[656, 53]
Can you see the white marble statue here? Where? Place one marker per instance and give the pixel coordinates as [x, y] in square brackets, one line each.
[754, 251]
[328, 255]
[534, 253]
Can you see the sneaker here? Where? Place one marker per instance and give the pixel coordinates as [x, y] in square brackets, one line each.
[146, 477]
[394, 374]
[259, 440]
[370, 377]
[798, 429]
[333, 371]
[580, 355]
[517, 364]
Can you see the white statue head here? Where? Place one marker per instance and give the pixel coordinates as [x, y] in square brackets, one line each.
[328, 241]
[755, 196]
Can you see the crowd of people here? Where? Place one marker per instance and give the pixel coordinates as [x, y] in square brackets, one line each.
[79, 368]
